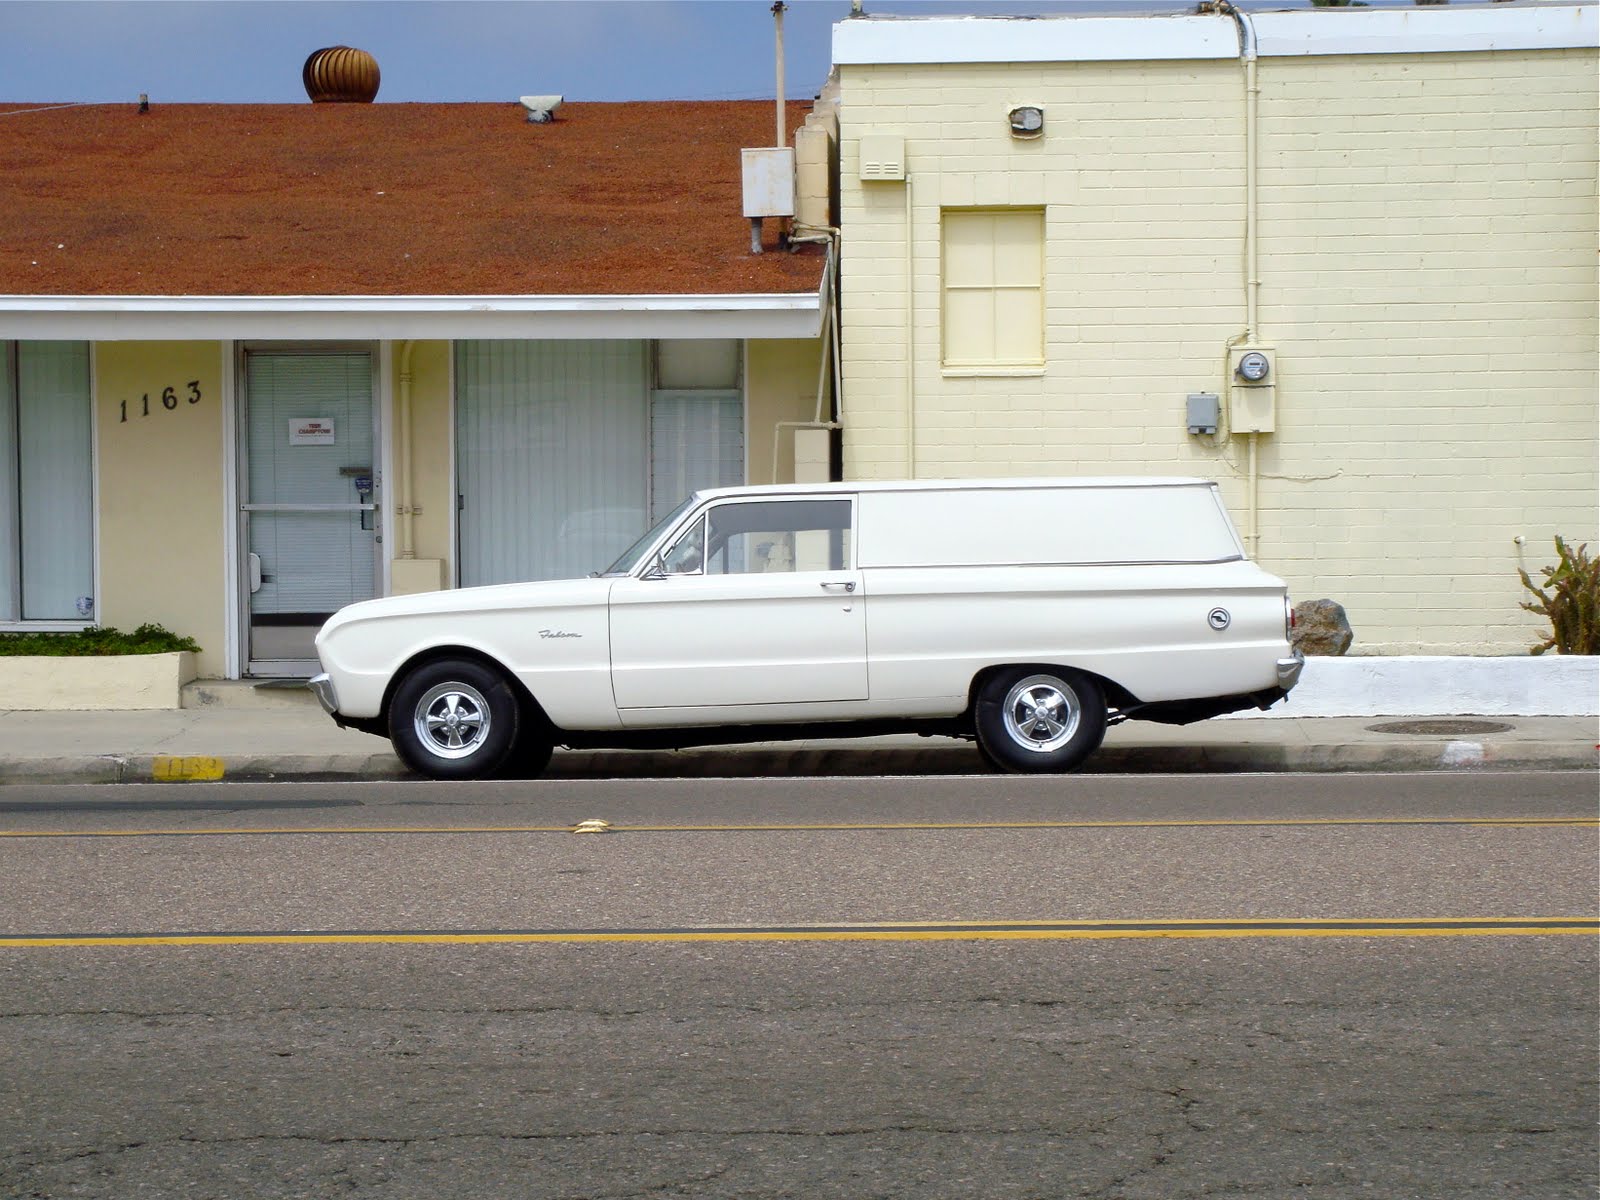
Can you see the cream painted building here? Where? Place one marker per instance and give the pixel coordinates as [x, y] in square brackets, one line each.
[313, 374]
[1057, 231]
[225, 518]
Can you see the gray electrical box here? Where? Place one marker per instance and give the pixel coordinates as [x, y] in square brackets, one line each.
[1204, 411]
[769, 182]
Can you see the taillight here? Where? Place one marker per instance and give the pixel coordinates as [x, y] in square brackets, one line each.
[1288, 617]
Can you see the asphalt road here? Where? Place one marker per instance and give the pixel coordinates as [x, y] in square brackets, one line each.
[1329, 986]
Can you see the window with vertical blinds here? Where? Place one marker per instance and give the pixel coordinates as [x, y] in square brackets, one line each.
[551, 456]
[567, 451]
[46, 483]
[696, 420]
[696, 441]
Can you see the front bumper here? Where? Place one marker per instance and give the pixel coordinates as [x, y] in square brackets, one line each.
[322, 688]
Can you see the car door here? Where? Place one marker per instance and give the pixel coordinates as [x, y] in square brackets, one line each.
[757, 602]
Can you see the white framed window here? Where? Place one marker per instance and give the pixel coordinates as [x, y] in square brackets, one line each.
[46, 483]
[992, 302]
[696, 419]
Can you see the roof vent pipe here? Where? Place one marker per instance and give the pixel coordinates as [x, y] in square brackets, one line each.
[541, 109]
[777, 15]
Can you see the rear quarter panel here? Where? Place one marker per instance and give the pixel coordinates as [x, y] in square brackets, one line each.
[931, 630]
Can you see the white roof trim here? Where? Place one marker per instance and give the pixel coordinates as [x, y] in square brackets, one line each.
[1429, 30]
[879, 41]
[905, 41]
[322, 318]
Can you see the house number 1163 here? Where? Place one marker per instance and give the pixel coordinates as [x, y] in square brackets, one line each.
[169, 399]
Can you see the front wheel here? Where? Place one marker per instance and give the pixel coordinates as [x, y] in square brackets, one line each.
[454, 719]
[1039, 719]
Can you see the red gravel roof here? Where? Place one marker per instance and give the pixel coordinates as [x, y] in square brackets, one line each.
[386, 199]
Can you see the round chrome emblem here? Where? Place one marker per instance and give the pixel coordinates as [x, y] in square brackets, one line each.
[1218, 618]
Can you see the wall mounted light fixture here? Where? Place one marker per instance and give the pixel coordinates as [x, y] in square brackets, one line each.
[1027, 121]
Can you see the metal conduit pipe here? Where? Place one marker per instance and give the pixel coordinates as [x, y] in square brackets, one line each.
[911, 345]
[835, 242]
[1252, 273]
[824, 235]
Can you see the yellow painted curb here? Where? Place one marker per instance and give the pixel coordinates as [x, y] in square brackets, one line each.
[176, 768]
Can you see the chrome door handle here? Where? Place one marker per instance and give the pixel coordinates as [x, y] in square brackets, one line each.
[848, 585]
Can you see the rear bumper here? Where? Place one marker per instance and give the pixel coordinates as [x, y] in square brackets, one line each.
[1289, 670]
[1185, 712]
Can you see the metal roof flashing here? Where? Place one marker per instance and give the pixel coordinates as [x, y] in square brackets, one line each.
[902, 41]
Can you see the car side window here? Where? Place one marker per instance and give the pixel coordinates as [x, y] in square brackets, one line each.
[763, 536]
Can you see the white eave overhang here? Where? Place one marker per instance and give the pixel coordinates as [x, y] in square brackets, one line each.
[344, 318]
[905, 41]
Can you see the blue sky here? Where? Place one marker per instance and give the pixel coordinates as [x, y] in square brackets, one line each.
[251, 51]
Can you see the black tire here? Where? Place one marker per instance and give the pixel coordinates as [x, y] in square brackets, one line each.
[454, 719]
[1039, 719]
[529, 757]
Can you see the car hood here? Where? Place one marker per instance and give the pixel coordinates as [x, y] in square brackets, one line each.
[540, 594]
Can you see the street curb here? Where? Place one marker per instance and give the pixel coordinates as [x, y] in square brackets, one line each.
[802, 761]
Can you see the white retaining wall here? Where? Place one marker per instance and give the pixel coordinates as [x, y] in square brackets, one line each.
[1550, 685]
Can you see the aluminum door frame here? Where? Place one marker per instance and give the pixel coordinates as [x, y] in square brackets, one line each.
[240, 505]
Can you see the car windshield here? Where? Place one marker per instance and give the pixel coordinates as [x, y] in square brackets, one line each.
[631, 556]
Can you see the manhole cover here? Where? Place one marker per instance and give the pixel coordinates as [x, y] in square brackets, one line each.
[1440, 728]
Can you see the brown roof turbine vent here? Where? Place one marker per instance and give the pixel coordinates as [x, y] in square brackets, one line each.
[341, 75]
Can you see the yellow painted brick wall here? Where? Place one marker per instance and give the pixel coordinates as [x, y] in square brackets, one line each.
[432, 440]
[781, 382]
[1428, 231]
[161, 519]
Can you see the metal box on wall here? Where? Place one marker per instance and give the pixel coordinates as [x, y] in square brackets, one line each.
[769, 182]
[1252, 389]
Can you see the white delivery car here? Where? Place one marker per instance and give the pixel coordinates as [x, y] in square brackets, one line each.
[1023, 614]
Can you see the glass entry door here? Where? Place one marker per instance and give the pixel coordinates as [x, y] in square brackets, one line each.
[309, 507]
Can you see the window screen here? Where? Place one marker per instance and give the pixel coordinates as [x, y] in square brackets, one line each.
[46, 484]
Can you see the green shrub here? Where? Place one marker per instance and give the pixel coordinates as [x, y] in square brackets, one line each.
[147, 639]
[1570, 598]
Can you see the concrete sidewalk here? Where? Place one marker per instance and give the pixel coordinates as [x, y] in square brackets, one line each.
[237, 731]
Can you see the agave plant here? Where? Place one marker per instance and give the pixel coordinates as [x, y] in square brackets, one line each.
[1570, 598]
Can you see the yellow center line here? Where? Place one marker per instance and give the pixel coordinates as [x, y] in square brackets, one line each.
[827, 827]
[900, 932]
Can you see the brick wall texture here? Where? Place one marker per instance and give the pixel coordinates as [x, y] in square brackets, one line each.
[1427, 238]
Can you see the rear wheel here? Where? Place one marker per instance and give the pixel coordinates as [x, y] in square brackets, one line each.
[454, 719]
[529, 757]
[1039, 719]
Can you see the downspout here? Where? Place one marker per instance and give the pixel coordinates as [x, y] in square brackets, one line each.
[825, 235]
[1252, 273]
[404, 496]
[911, 347]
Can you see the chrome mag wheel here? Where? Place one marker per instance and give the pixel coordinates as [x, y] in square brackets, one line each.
[1041, 714]
[452, 720]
